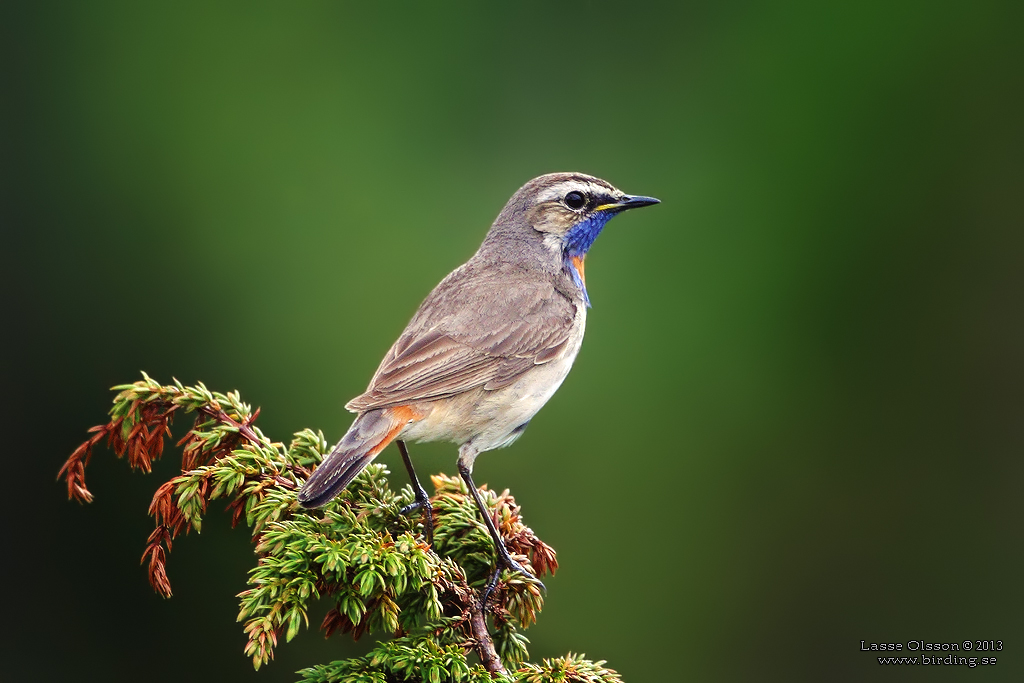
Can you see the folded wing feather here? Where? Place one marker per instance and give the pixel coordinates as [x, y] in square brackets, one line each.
[476, 329]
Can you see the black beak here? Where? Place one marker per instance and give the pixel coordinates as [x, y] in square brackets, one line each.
[629, 202]
[636, 201]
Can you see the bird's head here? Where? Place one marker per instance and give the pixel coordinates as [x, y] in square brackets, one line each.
[567, 211]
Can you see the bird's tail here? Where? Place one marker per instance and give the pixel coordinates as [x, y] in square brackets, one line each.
[368, 436]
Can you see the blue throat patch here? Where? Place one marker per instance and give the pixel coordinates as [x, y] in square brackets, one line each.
[577, 242]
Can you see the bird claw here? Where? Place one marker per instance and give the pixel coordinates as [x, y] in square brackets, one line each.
[424, 504]
[506, 562]
[414, 506]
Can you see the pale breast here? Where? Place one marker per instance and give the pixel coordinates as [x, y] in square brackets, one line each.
[492, 418]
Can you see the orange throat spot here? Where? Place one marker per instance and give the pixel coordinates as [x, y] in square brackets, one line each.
[577, 263]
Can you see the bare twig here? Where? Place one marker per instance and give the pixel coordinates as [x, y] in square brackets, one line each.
[484, 645]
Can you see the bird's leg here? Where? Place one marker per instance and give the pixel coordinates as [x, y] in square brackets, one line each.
[505, 560]
[422, 499]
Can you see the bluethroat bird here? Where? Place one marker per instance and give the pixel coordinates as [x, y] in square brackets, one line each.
[488, 347]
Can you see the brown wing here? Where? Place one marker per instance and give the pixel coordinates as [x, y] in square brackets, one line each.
[478, 328]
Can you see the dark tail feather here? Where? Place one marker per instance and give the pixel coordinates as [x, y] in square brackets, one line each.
[368, 435]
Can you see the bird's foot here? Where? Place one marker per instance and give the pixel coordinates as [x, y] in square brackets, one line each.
[422, 502]
[505, 561]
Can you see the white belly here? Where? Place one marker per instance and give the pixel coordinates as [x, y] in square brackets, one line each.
[493, 419]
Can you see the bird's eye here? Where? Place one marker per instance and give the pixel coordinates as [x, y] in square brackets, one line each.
[575, 200]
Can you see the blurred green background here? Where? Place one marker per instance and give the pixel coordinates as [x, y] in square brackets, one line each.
[796, 422]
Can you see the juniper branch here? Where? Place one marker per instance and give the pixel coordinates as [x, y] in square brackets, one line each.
[372, 562]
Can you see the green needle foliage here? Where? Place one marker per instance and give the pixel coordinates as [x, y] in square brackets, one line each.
[358, 552]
